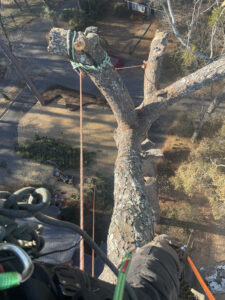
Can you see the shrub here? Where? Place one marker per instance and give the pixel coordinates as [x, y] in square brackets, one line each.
[217, 16]
[205, 172]
[189, 57]
[176, 61]
[43, 149]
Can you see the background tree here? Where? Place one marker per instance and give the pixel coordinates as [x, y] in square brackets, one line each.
[212, 15]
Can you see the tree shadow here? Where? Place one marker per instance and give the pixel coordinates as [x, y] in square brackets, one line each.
[191, 225]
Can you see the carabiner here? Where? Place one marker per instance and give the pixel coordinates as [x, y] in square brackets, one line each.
[10, 279]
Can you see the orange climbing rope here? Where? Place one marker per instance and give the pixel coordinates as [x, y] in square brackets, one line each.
[200, 279]
[81, 176]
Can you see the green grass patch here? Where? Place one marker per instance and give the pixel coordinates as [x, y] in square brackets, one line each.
[43, 149]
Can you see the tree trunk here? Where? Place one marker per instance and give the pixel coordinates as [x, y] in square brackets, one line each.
[132, 223]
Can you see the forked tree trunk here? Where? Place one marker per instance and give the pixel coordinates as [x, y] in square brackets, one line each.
[132, 223]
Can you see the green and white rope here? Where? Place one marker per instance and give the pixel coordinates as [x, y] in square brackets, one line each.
[76, 65]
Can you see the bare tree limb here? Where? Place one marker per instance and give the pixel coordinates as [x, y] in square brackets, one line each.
[193, 20]
[215, 164]
[214, 29]
[152, 70]
[170, 15]
[193, 82]
[202, 12]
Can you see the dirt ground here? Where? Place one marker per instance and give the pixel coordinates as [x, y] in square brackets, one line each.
[57, 121]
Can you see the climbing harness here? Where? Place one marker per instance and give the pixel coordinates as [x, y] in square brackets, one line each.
[119, 290]
[30, 202]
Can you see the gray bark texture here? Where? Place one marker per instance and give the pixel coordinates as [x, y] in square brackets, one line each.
[132, 223]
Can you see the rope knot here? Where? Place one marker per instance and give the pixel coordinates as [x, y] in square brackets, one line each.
[80, 45]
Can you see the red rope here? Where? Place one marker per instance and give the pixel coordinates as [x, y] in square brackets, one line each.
[130, 67]
[81, 177]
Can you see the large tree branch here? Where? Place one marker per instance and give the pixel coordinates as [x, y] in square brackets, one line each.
[89, 52]
[193, 82]
[152, 70]
[176, 91]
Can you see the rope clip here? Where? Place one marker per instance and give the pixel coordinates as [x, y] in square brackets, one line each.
[11, 279]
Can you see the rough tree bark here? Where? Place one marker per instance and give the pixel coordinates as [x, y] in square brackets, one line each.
[132, 223]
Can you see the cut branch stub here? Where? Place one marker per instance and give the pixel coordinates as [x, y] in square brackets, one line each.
[152, 71]
[88, 51]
